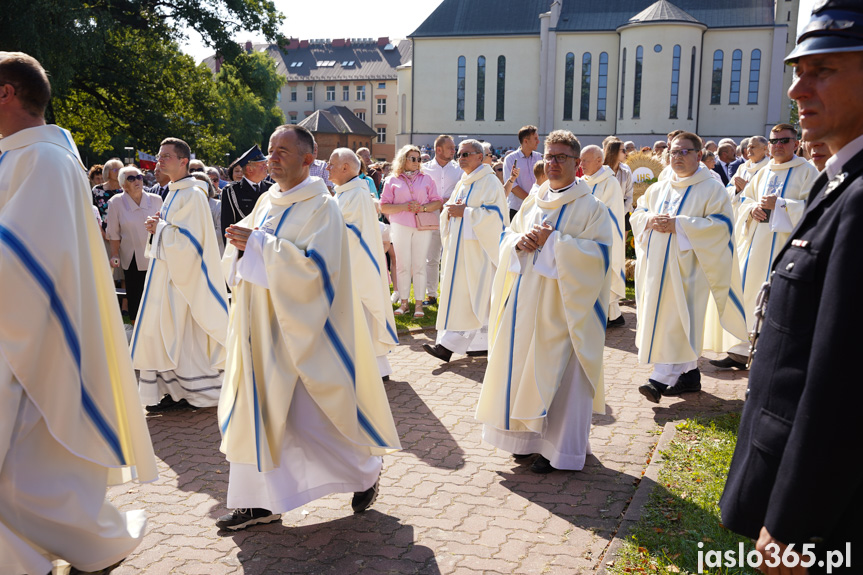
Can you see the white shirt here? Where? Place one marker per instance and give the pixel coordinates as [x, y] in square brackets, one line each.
[836, 162]
[445, 177]
[126, 223]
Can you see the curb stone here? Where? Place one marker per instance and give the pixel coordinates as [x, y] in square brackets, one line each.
[636, 506]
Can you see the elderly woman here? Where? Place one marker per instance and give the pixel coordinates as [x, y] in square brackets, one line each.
[215, 207]
[109, 188]
[127, 235]
[487, 154]
[408, 192]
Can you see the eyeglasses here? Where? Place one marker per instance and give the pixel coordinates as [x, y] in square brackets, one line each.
[498, 170]
[413, 159]
[556, 158]
[466, 154]
[774, 141]
[681, 153]
[164, 157]
[133, 178]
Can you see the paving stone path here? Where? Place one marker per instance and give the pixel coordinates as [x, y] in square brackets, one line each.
[448, 503]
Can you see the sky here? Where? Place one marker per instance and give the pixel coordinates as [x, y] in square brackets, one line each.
[351, 19]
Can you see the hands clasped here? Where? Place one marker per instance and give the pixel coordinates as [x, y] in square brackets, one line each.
[151, 222]
[456, 210]
[766, 203]
[535, 239]
[662, 223]
[238, 236]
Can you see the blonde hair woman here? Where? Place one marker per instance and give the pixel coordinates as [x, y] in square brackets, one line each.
[407, 192]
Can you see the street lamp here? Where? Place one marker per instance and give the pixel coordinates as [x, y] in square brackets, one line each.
[130, 155]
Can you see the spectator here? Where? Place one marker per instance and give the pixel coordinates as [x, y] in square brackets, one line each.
[614, 156]
[95, 175]
[109, 188]
[215, 207]
[524, 159]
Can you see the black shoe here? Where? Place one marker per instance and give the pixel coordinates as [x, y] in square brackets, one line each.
[481, 353]
[438, 351]
[521, 456]
[168, 404]
[363, 499]
[728, 363]
[652, 390]
[541, 465]
[617, 322]
[242, 518]
[105, 571]
[430, 300]
[687, 382]
[385, 378]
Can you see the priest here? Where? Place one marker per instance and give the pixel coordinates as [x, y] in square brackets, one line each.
[771, 205]
[368, 264]
[179, 338]
[548, 319]
[758, 158]
[70, 418]
[685, 253]
[605, 187]
[471, 223]
[303, 412]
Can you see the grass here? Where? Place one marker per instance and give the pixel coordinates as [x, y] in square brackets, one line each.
[407, 321]
[630, 290]
[683, 509]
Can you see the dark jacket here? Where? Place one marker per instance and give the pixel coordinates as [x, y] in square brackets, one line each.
[717, 167]
[238, 200]
[796, 468]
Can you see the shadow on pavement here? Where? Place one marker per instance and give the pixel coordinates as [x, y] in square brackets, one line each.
[370, 542]
[700, 404]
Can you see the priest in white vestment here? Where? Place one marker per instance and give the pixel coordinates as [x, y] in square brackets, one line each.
[471, 224]
[758, 158]
[70, 419]
[685, 253]
[548, 319]
[605, 187]
[771, 205]
[303, 412]
[179, 338]
[368, 264]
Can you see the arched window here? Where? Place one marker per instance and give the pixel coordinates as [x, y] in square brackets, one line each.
[585, 86]
[568, 86]
[459, 97]
[736, 65]
[622, 81]
[480, 88]
[636, 96]
[501, 84]
[716, 82]
[691, 84]
[754, 72]
[602, 86]
[675, 81]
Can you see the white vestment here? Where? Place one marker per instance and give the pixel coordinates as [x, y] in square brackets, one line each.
[605, 187]
[759, 242]
[368, 267]
[747, 171]
[547, 330]
[676, 273]
[70, 418]
[303, 411]
[470, 254]
[179, 338]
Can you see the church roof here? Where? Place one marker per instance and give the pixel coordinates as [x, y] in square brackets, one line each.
[521, 17]
[662, 11]
[336, 120]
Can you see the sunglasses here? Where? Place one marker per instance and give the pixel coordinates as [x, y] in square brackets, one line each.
[413, 159]
[133, 178]
[774, 141]
[466, 154]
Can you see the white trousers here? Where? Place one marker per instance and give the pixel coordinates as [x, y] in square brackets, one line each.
[566, 429]
[462, 342]
[433, 260]
[668, 373]
[316, 460]
[52, 503]
[412, 248]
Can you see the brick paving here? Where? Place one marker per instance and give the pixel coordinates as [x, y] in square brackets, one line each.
[448, 503]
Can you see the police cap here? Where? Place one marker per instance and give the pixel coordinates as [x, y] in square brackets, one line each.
[835, 26]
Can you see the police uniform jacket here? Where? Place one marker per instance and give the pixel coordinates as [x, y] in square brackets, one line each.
[238, 200]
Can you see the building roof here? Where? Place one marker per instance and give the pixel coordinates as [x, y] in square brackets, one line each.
[340, 59]
[336, 120]
[483, 18]
[662, 11]
[521, 17]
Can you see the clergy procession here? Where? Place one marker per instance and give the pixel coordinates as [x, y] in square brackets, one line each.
[290, 332]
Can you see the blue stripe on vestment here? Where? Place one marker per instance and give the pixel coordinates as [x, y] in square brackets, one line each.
[325, 275]
[143, 303]
[364, 245]
[40, 274]
[605, 256]
[511, 350]
[725, 220]
[455, 263]
[257, 409]
[736, 302]
[219, 299]
[616, 224]
[600, 313]
[495, 209]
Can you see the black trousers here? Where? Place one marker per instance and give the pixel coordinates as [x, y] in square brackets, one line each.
[134, 287]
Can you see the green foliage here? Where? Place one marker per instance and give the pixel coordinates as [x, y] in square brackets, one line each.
[119, 78]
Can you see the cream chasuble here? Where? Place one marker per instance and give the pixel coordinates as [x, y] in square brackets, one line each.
[537, 322]
[605, 187]
[676, 273]
[64, 361]
[368, 264]
[470, 251]
[183, 320]
[747, 171]
[307, 326]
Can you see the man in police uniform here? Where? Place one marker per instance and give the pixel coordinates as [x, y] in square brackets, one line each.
[239, 198]
[793, 478]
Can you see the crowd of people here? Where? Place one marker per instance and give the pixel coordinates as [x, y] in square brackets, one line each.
[276, 303]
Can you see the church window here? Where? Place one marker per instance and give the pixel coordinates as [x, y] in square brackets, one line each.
[568, 86]
[716, 81]
[480, 88]
[736, 65]
[585, 86]
[636, 96]
[754, 72]
[675, 81]
[602, 87]
[459, 98]
[501, 85]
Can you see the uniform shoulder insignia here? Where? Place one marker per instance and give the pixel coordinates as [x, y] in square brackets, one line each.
[835, 182]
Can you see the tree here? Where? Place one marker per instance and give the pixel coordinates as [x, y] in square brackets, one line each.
[119, 78]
